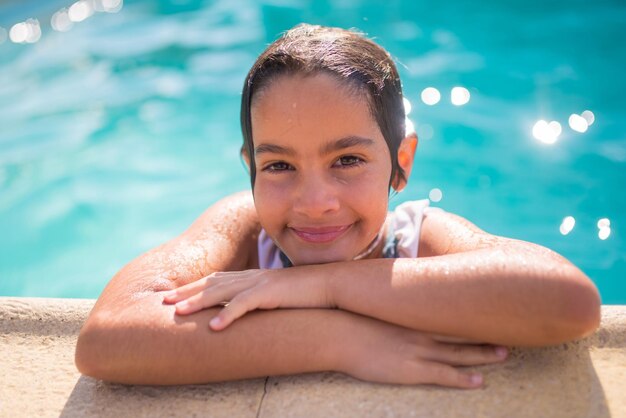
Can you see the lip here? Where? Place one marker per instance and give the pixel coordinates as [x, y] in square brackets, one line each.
[320, 235]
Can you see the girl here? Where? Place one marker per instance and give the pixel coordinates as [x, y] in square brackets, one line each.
[404, 297]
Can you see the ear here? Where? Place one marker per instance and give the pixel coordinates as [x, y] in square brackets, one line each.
[406, 153]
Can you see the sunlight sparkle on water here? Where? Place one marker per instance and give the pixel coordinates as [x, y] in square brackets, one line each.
[407, 106]
[435, 195]
[25, 32]
[578, 123]
[431, 96]
[18, 33]
[555, 127]
[109, 6]
[604, 233]
[459, 96]
[567, 225]
[409, 127]
[29, 31]
[545, 132]
[589, 117]
[80, 11]
[604, 228]
[60, 21]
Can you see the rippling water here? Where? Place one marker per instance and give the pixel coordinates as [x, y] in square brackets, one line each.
[116, 135]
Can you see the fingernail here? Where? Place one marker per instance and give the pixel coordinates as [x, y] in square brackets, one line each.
[476, 379]
[182, 305]
[501, 352]
[169, 294]
[215, 322]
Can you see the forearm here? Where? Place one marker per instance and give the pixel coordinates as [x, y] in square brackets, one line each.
[147, 344]
[486, 295]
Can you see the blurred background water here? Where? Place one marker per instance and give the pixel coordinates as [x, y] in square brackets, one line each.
[119, 127]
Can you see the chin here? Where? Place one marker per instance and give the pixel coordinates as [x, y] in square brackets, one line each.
[307, 259]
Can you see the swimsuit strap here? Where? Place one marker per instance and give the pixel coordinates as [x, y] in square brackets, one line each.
[285, 260]
[390, 250]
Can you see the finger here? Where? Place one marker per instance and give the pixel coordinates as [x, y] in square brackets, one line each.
[236, 308]
[444, 375]
[450, 339]
[466, 354]
[208, 297]
[187, 290]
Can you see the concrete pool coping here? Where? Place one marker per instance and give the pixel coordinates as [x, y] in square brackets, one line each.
[38, 378]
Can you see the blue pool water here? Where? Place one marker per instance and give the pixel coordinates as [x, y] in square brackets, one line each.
[117, 134]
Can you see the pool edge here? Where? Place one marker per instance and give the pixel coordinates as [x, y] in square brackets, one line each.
[37, 337]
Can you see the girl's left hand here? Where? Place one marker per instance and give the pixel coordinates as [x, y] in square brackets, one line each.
[247, 290]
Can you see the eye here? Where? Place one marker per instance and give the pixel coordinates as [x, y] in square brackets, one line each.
[349, 161]
[278, 167]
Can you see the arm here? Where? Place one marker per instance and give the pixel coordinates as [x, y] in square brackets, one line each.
[132, 337]
[466, 283]
[152, 346]
[472, 284]
[146, 344]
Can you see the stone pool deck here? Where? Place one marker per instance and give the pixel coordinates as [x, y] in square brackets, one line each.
[38, 379]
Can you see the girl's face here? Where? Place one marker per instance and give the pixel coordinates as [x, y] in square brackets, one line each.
[323, 169]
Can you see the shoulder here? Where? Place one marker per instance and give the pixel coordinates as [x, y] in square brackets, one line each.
[232, 214]
[446, 233]
[227, 232]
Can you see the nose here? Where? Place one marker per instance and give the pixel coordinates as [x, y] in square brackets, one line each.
[316, 196]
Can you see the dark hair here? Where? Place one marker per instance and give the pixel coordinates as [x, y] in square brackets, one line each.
[347, 55]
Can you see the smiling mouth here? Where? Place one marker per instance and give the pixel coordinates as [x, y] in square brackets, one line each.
[320, 235]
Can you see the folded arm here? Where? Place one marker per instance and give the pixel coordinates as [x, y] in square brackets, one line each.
[132, 337]
[466, 283]
[145, 343]
[472, 284]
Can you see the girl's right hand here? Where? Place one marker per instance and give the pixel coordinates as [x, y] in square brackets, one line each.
[378, 351]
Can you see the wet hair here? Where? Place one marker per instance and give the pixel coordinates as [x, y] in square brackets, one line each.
[345, 54]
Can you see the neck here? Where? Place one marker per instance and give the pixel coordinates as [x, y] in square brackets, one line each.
[374, 246]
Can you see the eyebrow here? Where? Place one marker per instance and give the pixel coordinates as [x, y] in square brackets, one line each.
[347, 142]
[273, 149]
[333, 146]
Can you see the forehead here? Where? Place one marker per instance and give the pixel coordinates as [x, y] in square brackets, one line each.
[312, 108]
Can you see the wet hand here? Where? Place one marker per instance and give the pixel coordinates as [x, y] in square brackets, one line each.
[381, 352]
[244, 291]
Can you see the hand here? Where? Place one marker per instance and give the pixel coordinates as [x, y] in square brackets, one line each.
[244, 291]
[378, 351]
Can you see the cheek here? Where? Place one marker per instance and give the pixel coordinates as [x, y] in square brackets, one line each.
[370, 194]
[269, 200]
[376, 178]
